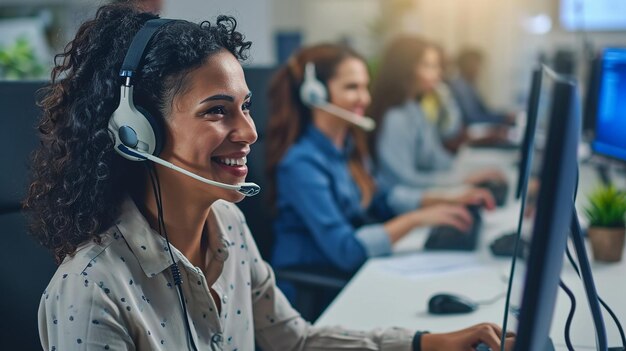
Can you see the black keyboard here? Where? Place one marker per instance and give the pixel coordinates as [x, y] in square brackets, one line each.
[450, 238]
[498, 189]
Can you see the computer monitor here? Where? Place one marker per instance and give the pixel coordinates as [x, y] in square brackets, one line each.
[545, 218]
[611, 114]
[529, 132]
[590, 105]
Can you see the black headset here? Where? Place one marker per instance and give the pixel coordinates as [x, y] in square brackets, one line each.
[133, 126]
[137, 131]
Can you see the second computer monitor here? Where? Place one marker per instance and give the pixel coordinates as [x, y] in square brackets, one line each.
[610, 112]
[547, 213]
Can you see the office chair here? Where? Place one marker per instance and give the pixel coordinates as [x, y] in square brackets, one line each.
[25, 266]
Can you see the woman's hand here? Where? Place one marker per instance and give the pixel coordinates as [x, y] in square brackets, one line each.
[485, 176]
[471, 196]
[467, 339]
[452, 215]
[476, 196]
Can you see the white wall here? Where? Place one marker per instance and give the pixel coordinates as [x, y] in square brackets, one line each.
[254, 18]
[453, 23]
[486, 24]
[334, 20]
[329, 21]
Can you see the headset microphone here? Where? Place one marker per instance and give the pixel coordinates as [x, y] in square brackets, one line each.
[247, 189]
[313, 93]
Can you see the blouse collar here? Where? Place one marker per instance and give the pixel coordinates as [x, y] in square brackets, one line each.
[151, 249]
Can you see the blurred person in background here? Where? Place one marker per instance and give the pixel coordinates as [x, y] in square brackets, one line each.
[469, 64]
[438, 103]
[409, 149]
[331, 212]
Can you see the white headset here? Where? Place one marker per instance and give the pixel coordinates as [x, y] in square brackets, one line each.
[313, 93]
[139, 136]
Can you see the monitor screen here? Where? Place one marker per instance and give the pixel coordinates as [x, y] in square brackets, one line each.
[611, 114]
[534, 276]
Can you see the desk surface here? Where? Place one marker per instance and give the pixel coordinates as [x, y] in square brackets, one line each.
[394, 291]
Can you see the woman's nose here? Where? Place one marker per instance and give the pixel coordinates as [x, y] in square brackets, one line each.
[245, 130]
[365, 97]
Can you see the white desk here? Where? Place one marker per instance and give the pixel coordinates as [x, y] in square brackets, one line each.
[379, 296]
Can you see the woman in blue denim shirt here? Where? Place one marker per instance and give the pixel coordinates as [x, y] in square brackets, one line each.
[330, 210]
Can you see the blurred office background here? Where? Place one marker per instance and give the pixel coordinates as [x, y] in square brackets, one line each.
[513, 34]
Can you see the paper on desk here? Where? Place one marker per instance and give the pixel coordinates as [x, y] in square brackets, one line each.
[429, 264]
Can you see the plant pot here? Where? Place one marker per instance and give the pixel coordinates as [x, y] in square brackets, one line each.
[607, 244]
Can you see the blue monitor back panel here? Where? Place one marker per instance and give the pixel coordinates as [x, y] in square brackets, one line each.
[610, 131]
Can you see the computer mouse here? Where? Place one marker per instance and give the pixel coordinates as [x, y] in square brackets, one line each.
[450, 304]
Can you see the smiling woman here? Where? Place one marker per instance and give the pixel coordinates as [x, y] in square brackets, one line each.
[139, 245]
[209, 130]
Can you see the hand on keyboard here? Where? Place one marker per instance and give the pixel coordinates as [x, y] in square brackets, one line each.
[451, 238]
[499, 190]
[453, 216]
[482, 337]
[475, 196]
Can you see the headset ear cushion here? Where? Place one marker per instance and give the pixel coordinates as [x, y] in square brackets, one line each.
[312, 91]
[157, 128]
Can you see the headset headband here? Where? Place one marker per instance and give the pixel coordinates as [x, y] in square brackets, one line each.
[138, 45]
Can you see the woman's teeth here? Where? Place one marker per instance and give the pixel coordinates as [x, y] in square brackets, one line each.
[233, 161]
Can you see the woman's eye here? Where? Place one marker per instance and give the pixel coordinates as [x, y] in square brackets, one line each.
[246, 105]
[217, 110]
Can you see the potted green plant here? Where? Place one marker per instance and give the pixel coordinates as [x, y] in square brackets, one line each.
[605, 211]
[18, 61]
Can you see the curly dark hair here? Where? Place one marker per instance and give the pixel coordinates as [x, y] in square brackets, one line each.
[78, 181]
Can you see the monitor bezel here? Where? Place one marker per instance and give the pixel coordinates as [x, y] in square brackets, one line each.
[553, 214]
[529, 132]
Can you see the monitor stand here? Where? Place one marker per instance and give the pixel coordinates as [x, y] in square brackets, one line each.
[603, 173]
[587, 277]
